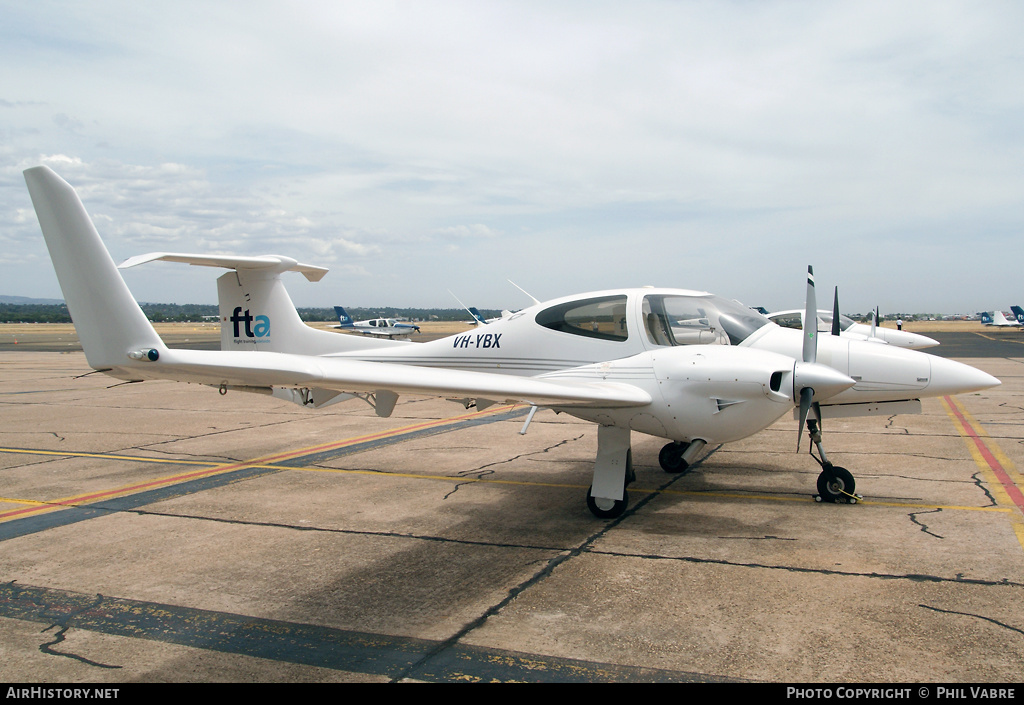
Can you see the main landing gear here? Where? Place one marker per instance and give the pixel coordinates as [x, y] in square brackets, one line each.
[835, 484]
[604, 508]
[607, 497]
[613, 471]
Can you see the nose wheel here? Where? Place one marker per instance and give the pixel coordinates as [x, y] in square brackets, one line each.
[835, 484]
[671, 457]
[677, 456]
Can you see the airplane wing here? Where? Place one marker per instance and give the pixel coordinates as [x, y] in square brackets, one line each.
[382, 333]
[251, 369]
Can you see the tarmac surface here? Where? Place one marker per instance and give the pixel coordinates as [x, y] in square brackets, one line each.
[162, 532]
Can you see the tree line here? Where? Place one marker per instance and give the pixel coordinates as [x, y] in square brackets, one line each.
[190, 313]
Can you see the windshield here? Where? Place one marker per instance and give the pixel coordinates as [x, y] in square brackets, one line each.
[796, 320]
[698, 320]
[826, 319]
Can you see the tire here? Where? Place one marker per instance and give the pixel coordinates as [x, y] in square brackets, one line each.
[840, 488]
[671, 457]
[616, 510]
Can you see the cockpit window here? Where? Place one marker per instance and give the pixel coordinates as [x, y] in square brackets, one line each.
[698, 320]
[603, 318]
[790, 320]
[826, 318]
[796, 320]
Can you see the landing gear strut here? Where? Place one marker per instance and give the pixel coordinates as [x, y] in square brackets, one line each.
[835, 484]
[610, 508]
[613, 471]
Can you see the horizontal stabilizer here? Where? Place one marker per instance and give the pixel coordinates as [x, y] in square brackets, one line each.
[273, 263]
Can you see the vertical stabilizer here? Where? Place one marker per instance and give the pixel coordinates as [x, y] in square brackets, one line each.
[256, 313]
[109, 322]
[344, 320]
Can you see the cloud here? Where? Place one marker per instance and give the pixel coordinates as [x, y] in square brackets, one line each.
[476, 231]
[712, 145]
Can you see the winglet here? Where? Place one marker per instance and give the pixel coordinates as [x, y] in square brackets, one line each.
[112, 328]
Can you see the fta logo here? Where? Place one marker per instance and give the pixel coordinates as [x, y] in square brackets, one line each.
[261, 329]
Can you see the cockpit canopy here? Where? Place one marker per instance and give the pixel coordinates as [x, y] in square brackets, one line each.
[794, 319]
[665, 319]
[671, 319]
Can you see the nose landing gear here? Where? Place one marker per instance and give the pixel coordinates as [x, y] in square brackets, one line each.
[835, 483]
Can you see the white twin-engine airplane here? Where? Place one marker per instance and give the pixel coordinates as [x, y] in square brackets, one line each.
[848, 328]
[687, 366]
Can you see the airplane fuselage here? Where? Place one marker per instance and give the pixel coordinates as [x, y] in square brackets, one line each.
[612, 335]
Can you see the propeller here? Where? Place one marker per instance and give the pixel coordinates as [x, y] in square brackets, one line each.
[808, 375]
[810, 323]
[835, 313]
[810, 351]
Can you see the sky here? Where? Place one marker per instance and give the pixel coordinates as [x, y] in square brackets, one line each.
[430, 150]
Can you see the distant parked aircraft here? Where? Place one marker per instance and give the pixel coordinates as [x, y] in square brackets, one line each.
[385, 327]
[998, 319]
[848, 328]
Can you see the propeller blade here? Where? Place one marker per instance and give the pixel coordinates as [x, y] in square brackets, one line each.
[835, 313]
[806, 397]
[810, 352]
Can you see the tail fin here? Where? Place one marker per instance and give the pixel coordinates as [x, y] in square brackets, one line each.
[257, 313]
[477, 315]
[999, 319]
[344, 320]
[1018, 313]
[986, 318]
[109, 322]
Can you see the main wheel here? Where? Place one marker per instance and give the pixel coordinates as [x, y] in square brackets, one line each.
[671, 457]
[607, 508]
[839, 488]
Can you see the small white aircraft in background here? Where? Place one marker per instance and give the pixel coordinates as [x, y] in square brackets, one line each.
[382, 327]
[686, 366]
[478, 318]
[998, 319]
[849, 328]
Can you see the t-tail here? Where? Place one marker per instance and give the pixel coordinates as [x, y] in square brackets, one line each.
[255, 310]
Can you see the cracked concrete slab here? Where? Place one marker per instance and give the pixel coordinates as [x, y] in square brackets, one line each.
[471, 548]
